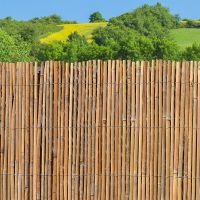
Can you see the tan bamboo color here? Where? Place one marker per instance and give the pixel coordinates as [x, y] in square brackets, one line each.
[100, 130]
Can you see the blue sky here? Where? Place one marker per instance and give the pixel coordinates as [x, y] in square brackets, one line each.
[79, 10]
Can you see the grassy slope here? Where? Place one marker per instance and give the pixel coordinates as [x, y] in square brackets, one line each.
[186, 36]
[83, 29]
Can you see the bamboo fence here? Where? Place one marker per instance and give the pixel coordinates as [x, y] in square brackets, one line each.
[100, 130]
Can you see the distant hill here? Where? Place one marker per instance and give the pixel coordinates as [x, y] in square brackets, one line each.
[83, 29]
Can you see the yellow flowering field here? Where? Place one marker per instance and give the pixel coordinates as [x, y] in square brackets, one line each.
[83, 29]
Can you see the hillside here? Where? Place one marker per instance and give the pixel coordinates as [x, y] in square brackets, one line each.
[185, 36]
[83, 29]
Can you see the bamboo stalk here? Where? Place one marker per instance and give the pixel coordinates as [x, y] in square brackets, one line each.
[172, 129]
[181, 140]
[176, 138]
[120, 129]
[140, 133]
[27, 134]
[136, 146]
[190, 132]
[168, 121]
[144, 133]
[78, 132]
[82, 132]
[160, 124]
[194, 134]
[104, 122]
[97, 131]
[148, 131]
[93, 136]
[128, 132]
[66, 150]
[198, 139]
[186, 132]
[112, 149]
[35, 131]
[156, 132]
[124, 123]
[116, 128]
[152, 129]
[70, 134]
[86, 132]
[133, 108]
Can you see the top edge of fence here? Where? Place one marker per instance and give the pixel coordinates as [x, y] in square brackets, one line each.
[155, 61]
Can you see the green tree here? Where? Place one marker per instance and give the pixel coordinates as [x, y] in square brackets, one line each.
[192, 52]
[96, 17]
[153, 21]
[11, 50]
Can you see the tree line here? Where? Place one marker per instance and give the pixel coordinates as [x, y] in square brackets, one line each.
[142, 34]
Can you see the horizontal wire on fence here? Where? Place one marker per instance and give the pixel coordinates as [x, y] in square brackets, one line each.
[91, 126]
[25, 85]
[106, 175]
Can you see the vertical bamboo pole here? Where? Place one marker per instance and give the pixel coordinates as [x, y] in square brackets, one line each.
[108, 130]
[194, 134]
[155, 192]
[124, 121]
[176, 138]
[112, 132]
[198, 140]
[35, 131]
[78, 131]
[133, 106]
[128, 132]
[86, 131]
[116, 127]
[13, 130]
[93, 136]
[168, 120]
[27, 134]
[144, 133]
[74, 126]
[181, 140]
[43, 134]
[50, 178]
[186, 132]
[140, 133]
[190, 131]
[47, 194]
[172, 129]
[20, 132]
[104, 122]
[39, 131]
[70, 133]
[62, 129]
[89, 134]
[160, 84]
[120, 130]
[31, 122]
[148, 131]
[67, 87]
[136, 146]
[152, 127]
[59, 129]
[82, 132]
[97, 131]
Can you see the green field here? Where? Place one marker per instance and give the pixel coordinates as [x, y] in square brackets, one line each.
[186, 36]
[83, 29]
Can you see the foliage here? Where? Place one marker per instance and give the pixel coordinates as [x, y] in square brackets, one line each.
[153, 21]
[96, 17]
[12, 50]
[192, 52]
